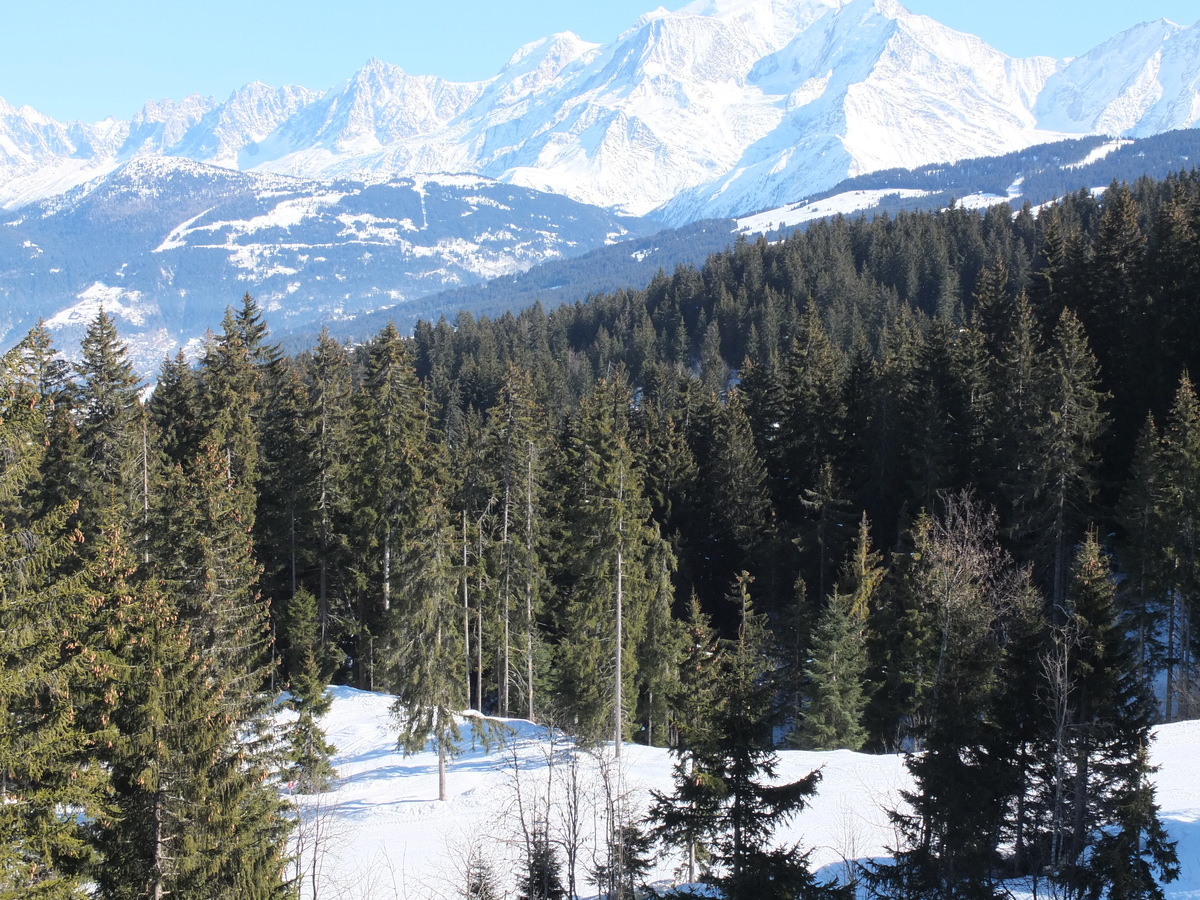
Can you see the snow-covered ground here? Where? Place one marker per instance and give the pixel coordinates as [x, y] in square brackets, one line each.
[848, 203]
[381, 833]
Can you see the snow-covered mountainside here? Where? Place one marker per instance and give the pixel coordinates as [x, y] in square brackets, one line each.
[381, 833]
[723, 107]
[164, 244]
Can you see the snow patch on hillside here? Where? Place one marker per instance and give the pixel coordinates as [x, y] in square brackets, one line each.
[115, 301]
[844, 204]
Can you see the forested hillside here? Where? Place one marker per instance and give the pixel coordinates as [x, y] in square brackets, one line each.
[924, 483]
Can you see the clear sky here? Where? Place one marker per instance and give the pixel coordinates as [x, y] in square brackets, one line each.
[82, 59]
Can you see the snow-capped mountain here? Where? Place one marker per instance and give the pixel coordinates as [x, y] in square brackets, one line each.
[721, 107]
[164, 244]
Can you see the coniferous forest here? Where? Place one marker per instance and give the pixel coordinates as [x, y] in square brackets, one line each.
[925, 484]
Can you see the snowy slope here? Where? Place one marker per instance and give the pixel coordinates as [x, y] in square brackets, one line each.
[381, 833]
[164, 244]
[721, 107]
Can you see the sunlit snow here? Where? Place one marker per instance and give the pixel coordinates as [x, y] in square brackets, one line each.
[381, 833]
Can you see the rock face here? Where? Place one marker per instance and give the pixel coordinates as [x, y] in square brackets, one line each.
[723, 107]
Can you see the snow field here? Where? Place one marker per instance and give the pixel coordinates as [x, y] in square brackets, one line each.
[381, 834]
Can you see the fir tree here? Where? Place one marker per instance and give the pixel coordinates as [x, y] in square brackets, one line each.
[1178, 540]
[109, 415]
[1105, 830]
[834, 695]
[724, 790]
[49, 785]
[425, 651]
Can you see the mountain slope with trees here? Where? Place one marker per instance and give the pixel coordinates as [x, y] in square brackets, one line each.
[903, 436]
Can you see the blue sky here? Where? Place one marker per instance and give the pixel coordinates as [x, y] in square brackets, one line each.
[80, 59]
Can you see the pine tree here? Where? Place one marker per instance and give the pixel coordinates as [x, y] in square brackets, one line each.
[425, 651]
[49, 784]
[962, 588]
[834, 694]
[109, 415]
[1178, 501]
[1106, 833]
[724, 789]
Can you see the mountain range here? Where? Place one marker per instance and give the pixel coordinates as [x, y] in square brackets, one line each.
[717, 109]
[721, 108]
[164, 244]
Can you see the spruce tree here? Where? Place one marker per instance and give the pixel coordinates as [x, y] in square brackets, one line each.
[1063, 471]
[608, 548]
[834, 694]
[1105, 830]
[307, 753]
[424, 651]
[961, 589]
[236, 831]
[156, 755]
[1143, 598]
[388, 481]
[814, 424]
[725, 792]
[50, 783]
[174, 409]
[513, 441]
[541, 873]
[330, 489]
[109, 413]
[1178, 501]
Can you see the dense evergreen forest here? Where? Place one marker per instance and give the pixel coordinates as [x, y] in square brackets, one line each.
[927, 483]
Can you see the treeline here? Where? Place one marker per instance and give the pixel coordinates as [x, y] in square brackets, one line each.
[924, 446]
[1043, 172]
